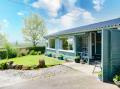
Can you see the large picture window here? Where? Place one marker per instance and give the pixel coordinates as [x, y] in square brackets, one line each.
[67, 43]
[51, 43]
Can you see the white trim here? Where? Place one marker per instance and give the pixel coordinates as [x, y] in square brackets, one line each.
[71, 51]
[50, 48]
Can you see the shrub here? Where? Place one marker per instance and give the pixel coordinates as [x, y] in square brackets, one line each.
[77, 59]
[11, 52]
[49, 54]
[37, 49]
[32, 52]
[23, 52]
[39, 52]
[61, 57]
[3, 66]
[3, 54]
[116, 80]
[116, 77]
[100, 75]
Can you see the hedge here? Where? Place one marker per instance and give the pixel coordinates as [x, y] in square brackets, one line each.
[37, 49]
[3, 54]
[13, 53]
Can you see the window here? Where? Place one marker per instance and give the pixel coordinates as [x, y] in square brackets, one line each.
[67, 43]
[51, 43]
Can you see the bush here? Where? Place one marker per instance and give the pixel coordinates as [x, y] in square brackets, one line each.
[49, 54]
[37, 49]
[116, 80]
[3, 54]
[11, 52]
[23, 52]
[77, 59]
[32, 52]
[61, 57]
[39, 52]
[100, 75]
[3, 66]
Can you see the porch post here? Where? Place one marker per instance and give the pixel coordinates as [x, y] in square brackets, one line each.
[48, 43]
[74, 44]
[57, 45]
[60, 44]
[89, 47]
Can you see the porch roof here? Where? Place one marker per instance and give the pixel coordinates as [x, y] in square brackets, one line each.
[92, 27]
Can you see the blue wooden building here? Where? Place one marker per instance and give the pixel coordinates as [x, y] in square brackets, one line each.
[98, 41]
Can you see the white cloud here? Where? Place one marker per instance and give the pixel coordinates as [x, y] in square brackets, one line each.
[70, 18]
[88, 18]
[98, 4]
[52, 6]
[76, 17]
[20, 13]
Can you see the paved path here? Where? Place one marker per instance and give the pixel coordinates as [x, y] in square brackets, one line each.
[71, 79]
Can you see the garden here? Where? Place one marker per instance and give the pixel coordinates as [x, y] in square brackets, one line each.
[26, 58]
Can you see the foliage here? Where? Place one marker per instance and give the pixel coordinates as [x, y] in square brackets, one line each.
[100, 74]
[3, 65]
[37, 49]
[116, 78]
[3, 54]
[61, 57]
[49, 54]
[34, 29]
[77, 59]
[32, 60]
[22, 52]
[39, 52]
[11, 52]
[32, 52]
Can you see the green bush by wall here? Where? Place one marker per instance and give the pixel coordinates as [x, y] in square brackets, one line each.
[37, 49]
[3, 54]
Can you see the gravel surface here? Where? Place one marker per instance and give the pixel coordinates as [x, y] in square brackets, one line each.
[61, 77]
[8, 77]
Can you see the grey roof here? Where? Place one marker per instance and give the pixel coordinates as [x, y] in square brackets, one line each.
[91, 27]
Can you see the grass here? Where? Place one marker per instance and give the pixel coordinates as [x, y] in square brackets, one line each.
[32, 60]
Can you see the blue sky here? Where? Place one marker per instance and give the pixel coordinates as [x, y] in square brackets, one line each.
[58, 14]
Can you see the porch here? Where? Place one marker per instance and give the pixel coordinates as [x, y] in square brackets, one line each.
[87, 69]
[87, 45]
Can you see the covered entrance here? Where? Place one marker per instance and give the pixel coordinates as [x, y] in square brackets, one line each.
[89, 46]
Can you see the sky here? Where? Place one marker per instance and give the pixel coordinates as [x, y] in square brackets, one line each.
[57, 14]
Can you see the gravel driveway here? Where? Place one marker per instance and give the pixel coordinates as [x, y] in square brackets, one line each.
[60, 77]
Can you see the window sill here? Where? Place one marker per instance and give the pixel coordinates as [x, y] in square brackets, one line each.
[51, 48]
[67, 50]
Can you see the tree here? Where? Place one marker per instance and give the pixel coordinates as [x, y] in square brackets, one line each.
[34, 29]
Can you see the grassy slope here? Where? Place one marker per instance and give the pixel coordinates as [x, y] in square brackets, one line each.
[31, 60]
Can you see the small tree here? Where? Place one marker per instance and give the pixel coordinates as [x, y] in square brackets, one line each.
[34, 29]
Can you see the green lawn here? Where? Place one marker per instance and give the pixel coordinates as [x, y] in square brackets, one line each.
[31, 60]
